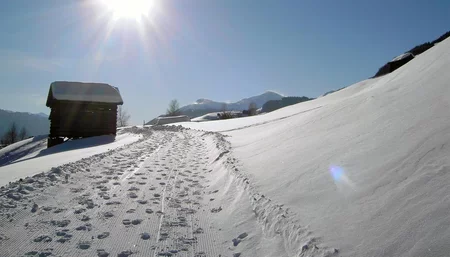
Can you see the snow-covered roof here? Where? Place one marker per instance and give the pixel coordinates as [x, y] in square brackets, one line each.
[402, 56]
[83, 92]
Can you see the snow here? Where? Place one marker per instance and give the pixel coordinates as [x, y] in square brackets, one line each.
[213, 116]
[22, 148]
[150, 198]
[402, 56]
[360, 172]
[207, 117]
[366, 168]
[85, 92]
[43, 159]
[171, 119]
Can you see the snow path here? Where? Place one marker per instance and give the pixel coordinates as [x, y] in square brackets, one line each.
[177, 192]
[145, 200]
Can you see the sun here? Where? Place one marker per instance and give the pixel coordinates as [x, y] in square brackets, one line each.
[130, 9]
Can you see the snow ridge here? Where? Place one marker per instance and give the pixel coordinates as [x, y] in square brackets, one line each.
[274, 218]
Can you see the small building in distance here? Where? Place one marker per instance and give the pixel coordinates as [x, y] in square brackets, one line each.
[394, 64]
[81, 110]
[163, 120]
[399, 61]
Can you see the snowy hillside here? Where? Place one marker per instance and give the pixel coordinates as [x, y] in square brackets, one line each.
[365, 170]
[211, 106]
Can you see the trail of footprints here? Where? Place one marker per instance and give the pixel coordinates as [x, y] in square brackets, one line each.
[148, 201]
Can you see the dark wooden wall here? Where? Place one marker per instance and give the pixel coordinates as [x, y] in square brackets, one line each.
[395, 65]
[80, 119]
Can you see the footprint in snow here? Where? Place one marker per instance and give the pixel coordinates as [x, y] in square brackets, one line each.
[145, 236]
[216, 210]
[36, 253]
[113, 203]
[86, 227]
[108, 214]
[60, 223]
[64, 239]
[200, 254]
[84, 245]
[125, 253]
[103, 235]
[243, 235]
[132, 195]
[199, 231]
[43, 238]
[136, 221]
[236, 241]
[102, 253]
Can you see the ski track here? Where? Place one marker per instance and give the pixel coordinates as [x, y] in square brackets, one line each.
[148, 198]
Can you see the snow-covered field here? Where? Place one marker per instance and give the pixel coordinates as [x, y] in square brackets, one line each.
[31, 156]
[364, 171]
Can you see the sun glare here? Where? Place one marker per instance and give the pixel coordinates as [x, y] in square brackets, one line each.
[130, 9]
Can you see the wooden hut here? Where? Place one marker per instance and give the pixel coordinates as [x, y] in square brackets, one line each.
[81, 110]
[399, 61]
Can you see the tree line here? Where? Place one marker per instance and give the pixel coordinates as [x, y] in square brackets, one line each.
[13, 134]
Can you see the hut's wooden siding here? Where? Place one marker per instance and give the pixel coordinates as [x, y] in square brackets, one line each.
[82, 119]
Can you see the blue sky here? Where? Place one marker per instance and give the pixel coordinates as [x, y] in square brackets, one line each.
[188, 49]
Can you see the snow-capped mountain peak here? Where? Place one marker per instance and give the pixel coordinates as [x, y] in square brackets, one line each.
[211, 106]
[203, 101]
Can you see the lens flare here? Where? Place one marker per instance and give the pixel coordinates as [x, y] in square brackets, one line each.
[336, 173]
[341, 179]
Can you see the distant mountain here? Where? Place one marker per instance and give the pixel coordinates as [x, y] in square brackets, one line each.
[204, 106]
[42, 114]
[273, 105]
[35, 124]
